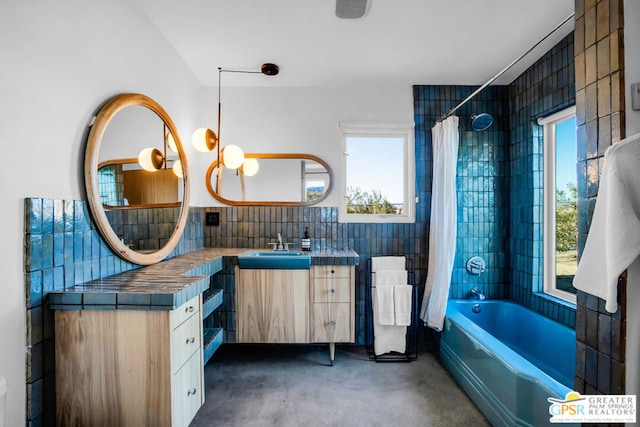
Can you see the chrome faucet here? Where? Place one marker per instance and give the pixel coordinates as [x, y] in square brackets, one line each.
[279, 245]
[475, 292]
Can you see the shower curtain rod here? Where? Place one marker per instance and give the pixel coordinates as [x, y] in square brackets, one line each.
[491, 80]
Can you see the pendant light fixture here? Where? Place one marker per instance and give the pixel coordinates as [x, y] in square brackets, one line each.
[229, 156]
[152, 159]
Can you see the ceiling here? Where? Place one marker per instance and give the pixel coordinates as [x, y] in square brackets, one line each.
[398, 42]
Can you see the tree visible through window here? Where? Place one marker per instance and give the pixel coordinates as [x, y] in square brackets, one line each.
[560, 204]
[378, 173]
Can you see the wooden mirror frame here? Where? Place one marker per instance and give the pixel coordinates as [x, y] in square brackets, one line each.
[213, 166]
[91, 161]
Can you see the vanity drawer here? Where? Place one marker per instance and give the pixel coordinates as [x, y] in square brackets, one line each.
[332, 289]
[186, 389]
[185, 340]
[331, 322]
[326, 271]
[185, 311]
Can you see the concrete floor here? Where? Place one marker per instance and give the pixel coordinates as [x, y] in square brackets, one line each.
[294, 385]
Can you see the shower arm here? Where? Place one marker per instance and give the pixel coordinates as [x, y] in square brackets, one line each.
[491, 80]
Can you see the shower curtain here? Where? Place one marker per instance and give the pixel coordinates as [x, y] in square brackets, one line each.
[442, 234]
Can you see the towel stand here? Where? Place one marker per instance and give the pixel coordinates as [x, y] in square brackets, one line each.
[411, 352]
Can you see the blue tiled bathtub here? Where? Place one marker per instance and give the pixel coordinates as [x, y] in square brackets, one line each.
[508, 359]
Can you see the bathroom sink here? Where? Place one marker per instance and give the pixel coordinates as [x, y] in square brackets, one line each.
[276, 260]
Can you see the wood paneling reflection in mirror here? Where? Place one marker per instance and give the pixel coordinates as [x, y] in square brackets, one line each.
[283, 179]
[142, 222]
[125, 185]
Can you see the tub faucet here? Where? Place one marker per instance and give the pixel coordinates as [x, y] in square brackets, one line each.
[475, 292]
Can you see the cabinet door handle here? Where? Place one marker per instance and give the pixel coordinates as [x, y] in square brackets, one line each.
[333, 291]
[189, 309]
[191, 392]
[333, 271]
[332, 323]
[191, 340]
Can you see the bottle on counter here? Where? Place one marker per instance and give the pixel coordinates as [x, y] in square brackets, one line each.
[305, 242]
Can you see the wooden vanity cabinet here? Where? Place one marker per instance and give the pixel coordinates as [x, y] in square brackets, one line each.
[272, 306]
[333, 305]
[296, 306]
[129, 367]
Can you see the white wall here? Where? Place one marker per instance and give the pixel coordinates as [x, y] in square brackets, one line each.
[60, 62]
[631, 61]
[296, 120]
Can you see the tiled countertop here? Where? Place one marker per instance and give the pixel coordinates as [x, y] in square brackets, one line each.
[167, 284]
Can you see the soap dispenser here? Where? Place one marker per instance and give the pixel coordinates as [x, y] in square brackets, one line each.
[305, 242]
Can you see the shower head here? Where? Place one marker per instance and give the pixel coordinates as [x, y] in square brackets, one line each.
[481, 121]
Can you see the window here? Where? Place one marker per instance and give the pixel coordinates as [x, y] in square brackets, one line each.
[378, 173]
[560, 204]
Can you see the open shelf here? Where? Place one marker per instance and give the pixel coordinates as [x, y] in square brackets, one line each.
[212, 340]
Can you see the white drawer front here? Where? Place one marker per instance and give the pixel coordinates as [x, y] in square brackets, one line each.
[187, 392]
[185, 340]
[186, 310]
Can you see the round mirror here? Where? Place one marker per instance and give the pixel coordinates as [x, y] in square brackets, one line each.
[135, 173]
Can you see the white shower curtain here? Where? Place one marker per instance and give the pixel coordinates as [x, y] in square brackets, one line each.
[442, 234]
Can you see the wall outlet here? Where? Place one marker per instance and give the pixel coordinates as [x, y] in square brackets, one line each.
[635, 96]
[212, 218]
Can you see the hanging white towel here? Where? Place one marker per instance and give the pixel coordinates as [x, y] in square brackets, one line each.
[387, 338]
[384, 304]
[388, 263]
[402, 304]
[613, 242]
[390, 277]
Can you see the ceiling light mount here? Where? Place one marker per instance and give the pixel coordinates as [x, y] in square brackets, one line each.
[270, 69]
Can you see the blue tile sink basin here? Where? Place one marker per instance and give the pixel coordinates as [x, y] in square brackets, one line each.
[275, 260]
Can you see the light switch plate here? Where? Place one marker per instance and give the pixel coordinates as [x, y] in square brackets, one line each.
[635, 96]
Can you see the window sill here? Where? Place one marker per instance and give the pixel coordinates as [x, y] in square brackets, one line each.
[556, 300]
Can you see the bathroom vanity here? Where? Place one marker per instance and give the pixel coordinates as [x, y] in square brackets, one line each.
[131, 348]
[314, 305]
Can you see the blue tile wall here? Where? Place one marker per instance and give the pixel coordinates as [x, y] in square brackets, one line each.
[481, 182]
[63, 249]
[544, 88]
[255, 226]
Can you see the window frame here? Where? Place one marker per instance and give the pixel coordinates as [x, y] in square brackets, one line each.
[404, 130]
[548, 124]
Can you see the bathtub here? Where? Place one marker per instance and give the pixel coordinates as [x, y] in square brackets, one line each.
[508, 359]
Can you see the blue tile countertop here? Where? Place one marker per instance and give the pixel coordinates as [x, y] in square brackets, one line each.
[167, 284]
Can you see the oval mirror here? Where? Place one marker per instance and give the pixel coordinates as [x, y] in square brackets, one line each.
[141, 213]
[282, 179]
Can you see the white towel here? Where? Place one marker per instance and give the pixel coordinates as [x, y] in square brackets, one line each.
[388, 263]
[614, 237]
[387, 338]
[384, 304]
[390, 277]
[402, 304]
